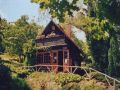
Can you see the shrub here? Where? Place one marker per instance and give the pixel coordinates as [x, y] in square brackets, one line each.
[71, 86]
[64, 78]
[98, 76]
[91, 85]
[30, 57]
[42, 81]
[61, 81]
[50, 81]
[16, 70]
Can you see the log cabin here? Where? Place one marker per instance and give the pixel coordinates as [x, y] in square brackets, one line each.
[55, 47]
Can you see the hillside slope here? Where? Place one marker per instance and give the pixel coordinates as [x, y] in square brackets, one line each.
[56, 81]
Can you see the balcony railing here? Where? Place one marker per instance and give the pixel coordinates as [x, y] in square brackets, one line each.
[51, 41]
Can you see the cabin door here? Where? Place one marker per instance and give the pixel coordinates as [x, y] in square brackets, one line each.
[66, 60]
[54, 60]
[60, 60]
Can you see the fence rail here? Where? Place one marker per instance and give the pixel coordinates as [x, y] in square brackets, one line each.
[112, 82]
[70, 69]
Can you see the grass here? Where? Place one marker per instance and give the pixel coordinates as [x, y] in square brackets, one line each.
[7, 56]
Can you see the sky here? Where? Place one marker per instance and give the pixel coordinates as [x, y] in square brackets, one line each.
[13, 9]
[79, 34]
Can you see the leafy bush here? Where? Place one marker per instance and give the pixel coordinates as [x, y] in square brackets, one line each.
[30, 57]
[64, 78]
[42, 81]
[18, 71]
[50, 81]
[91, 85]
[98, 76]
[71, 86]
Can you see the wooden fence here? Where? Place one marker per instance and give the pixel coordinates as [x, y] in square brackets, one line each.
[112, 82]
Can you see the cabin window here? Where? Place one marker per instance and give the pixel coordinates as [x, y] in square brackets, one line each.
[44, 58]
[53, 27]
[65, 54]
[54, 57]
[66, 57]
[40, 58]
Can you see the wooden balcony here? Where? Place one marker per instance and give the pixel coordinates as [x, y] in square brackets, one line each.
[51, 41]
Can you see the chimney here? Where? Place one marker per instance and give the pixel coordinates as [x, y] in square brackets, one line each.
[68, 30]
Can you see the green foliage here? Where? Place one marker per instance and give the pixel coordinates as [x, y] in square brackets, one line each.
[30, 57]
[62, 81]
[98, 76]
[91, 85]
[109, 9]
[114, 11]
[19, 36]
[15, 69]
[84, 85]
[113, 53]
[112, 57]
[84, 45]
[42, 81]
[71, 86]
[97, 33]
[99, 49]
[57, 8]
[64, 78]
[1, 36]
[2, 48]
[45, 80]
[93, 27]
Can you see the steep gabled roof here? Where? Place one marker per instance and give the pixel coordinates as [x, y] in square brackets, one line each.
[62, 30]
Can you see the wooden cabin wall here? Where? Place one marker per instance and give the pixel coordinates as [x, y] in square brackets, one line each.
[49, 30]
[62, 40]
[74, 53]
[76, 60]
[52, 41]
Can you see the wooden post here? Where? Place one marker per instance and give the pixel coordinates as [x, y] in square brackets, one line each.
[114, 84]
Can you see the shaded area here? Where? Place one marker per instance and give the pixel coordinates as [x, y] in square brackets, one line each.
[9, 82]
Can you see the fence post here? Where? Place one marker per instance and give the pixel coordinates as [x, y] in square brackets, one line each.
[114, 84]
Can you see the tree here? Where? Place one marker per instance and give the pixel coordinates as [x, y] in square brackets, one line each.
[103, 15]
[114, 50]
[97, 33]
[2, 26]
[112, 57]
[114, 11]
[102, 9]
[1, 43]
[18, 34]
[59, 8]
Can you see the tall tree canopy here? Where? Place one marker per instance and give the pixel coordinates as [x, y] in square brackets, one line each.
[59, 8]
[109, 9]
[19, 36]
[3, 26]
